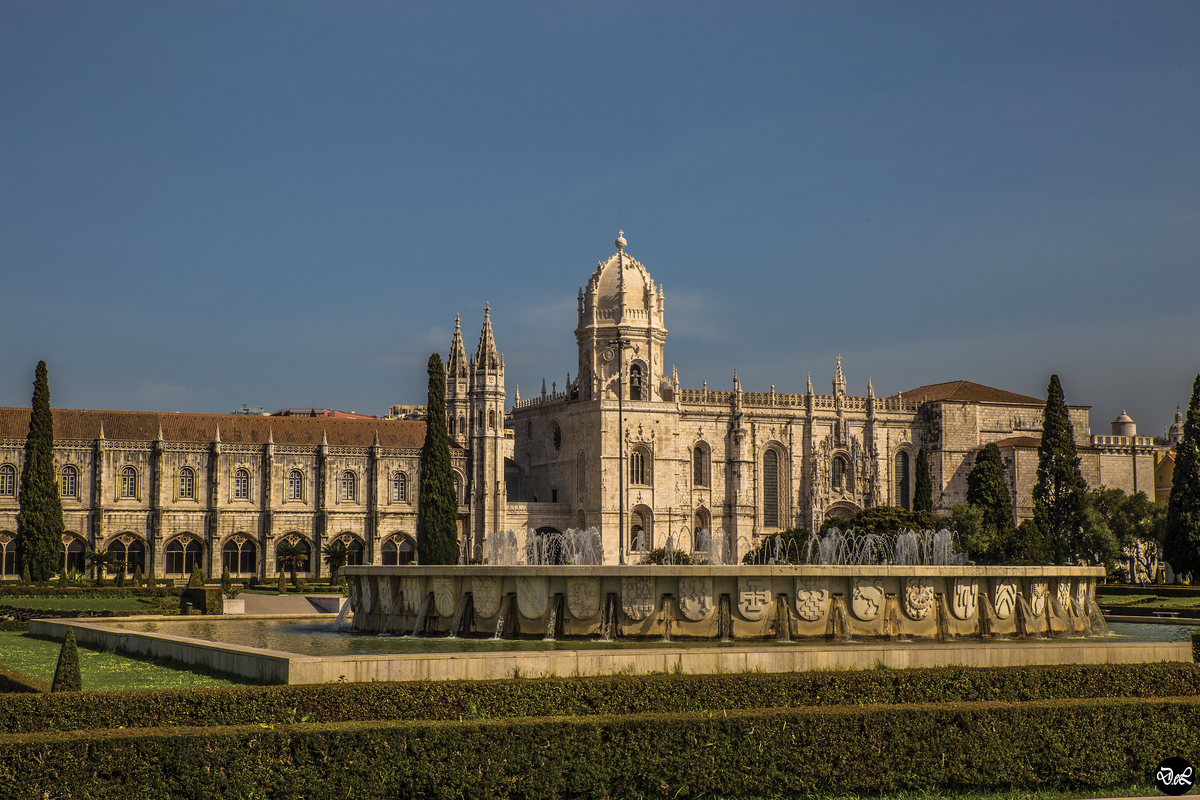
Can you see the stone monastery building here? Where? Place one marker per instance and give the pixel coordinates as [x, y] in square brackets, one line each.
[171, 490]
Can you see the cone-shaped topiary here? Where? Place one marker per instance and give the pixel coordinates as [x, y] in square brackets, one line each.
[987, 491]
[282, 582]
[197, 579]
[67, 677]
[137, 575]
[437, 502]
[923, 487]
[40, 520]
[1182, 539]
[226, 581]
[1059, 495]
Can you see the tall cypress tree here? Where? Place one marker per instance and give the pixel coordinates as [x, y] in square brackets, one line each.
[923, 487]
[1060, 495]
[40, 520]
[437, 504]
[987, 491]
[1182, 541]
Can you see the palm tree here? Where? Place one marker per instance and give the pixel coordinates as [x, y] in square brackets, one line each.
[96, 561]
[292, 556]
[336, 556]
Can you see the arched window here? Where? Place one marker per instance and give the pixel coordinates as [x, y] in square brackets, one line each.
[839, 473]
[458, 490]
[481, 420]
[295, 485]
[306, 551]
[771, 489]
[902, 487]
[700, 466]
[399, 488]
[451, 425]
[129, 481]
[354, 553]
[701, 523]
[462, 426]
[8, 554]
[8, 481]
[398, 551]
[183, 554]
[187, 483]
[635, 382]
[240, 556]
[491, 420]
[639, 531]
[241, 485]
[131, 550]
[348, 486]
[71, 555]
[69, 485]
[639, 467]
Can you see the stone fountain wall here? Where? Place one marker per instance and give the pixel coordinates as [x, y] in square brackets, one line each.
[763, 602]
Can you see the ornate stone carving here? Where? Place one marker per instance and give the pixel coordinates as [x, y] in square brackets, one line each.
[696, 597]
[918, 597]
[368, 597]
[1064, 595]
[531, 596]
[355, 598]
[754, 597]
[637, 597]
[965, 601]
[485, 594]
[867, 598]
[386, 600]
[1004, 597]
[414, 593]
[812, 598]
[1039, 590]
[583, 597]
[1082, 592]
[445, 594]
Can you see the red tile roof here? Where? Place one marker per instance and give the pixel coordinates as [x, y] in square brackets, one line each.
[967, 392]
[1031, 442]
[143, 426]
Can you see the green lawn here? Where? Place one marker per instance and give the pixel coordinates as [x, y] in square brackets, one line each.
[1147, 601]
[138, 604]
[101, 670]
[1135, 790]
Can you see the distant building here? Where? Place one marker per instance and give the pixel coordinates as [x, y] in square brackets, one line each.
[1164, 470]
[407, 412]
[250, 411]
[327, 413]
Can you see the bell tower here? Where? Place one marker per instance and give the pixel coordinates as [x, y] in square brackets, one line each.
[621, 301]
[458, 403]
[485, 420]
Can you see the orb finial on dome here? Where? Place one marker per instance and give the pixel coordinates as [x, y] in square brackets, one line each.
[621, 240]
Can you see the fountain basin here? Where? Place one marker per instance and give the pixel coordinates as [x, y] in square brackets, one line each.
[783, 602]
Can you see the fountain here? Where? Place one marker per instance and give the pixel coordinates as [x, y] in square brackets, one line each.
[850, 585]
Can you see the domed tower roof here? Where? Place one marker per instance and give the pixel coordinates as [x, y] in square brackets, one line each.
[621, 281]
[1124, 425]
[1175, 435]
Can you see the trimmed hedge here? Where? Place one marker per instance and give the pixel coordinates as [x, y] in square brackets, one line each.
[13, 681]
[204, 600]
[1060, 744]
[637, 694]
[22, 590]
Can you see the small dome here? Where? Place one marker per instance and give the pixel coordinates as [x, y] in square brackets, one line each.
[1124, 425]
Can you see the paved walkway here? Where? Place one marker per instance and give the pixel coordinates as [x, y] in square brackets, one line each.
[280, 604]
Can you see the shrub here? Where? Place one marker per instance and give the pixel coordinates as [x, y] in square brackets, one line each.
[283, 583]
[196, 581]
[137, 576]
[225, 580]
[67, 677]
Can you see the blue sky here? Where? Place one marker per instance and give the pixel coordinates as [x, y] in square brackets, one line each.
[285, 204]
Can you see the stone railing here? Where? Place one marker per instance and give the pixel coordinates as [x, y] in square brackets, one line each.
[821, 402]
[1122, 441]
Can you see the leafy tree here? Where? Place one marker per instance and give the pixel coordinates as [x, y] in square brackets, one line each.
[292, 556]
[67, 676]
[792, 548]
[1137, 522]
[1182, 535]
[1060, 495]
[923, 487]
[887, 520]
[990, 538]
[437, 502]
[336, 555]
[660, 555]
[40, 520]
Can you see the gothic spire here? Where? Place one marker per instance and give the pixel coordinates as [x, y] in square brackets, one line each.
[456, 364]
[839, 380]
[809, 379]
[486, 356]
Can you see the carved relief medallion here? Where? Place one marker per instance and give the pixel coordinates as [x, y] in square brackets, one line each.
[812, 598]
[966, 598]
[445, 594]
[1004, 597]
[485, 594]
[867, 598]
[1083, 588]
[1064, 595]
[918, 597]
[385, 594]
[1038, 592]
[754, 597]
[637, 597]
[531, 596]
[355, 598]
[583, 597]
[368, 599]
[414, 593]
[696, 597]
